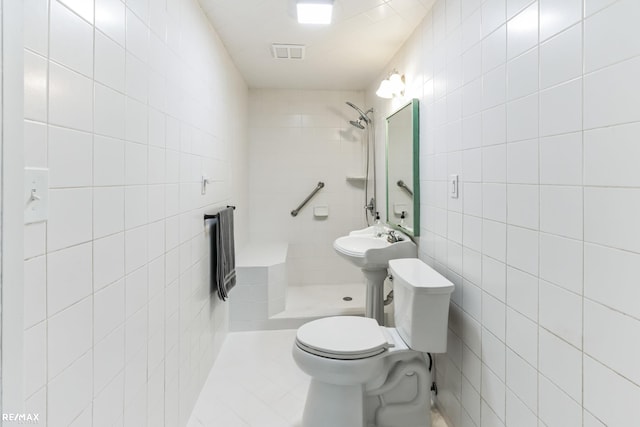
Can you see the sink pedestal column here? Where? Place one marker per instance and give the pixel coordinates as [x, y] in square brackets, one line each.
[374, 307]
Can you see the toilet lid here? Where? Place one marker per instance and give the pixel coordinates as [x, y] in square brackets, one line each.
[343, 337]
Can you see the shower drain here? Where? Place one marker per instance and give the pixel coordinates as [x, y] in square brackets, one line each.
[347, 299]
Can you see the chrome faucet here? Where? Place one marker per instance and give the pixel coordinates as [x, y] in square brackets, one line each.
[393, 237]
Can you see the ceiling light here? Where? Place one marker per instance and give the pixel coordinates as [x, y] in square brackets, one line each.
[314, 11]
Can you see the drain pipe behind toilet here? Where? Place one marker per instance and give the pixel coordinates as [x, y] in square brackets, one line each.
[389, 299]
[419, 407]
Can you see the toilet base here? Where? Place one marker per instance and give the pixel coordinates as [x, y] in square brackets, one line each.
[405, 397]
[334, 405]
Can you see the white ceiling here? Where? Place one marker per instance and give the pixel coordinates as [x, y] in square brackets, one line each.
[348, 54]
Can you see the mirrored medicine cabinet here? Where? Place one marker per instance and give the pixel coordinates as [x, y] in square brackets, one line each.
[403, 178]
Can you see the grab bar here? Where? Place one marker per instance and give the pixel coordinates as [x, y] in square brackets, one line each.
[304, 202]
[402, 185]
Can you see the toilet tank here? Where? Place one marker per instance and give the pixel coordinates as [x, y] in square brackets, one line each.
[421, 304]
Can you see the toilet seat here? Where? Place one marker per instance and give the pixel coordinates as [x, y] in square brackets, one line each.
[344, 338]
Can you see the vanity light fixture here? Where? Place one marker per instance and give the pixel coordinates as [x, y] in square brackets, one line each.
[391, 86]
[314, 11]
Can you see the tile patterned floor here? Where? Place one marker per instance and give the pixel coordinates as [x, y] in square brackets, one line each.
[255, 383]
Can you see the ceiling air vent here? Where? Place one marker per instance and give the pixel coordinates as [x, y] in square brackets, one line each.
[287, 51]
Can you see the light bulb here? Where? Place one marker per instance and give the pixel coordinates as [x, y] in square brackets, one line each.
[396, 83]
[385, 89]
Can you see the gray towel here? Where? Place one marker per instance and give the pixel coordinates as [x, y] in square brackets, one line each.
[225, 253]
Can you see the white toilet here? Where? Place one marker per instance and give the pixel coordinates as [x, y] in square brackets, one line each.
[365, 375]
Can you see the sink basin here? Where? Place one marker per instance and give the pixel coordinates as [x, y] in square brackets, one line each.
[373, 253]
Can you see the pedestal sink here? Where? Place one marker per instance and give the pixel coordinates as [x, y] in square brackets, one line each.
[372, 254]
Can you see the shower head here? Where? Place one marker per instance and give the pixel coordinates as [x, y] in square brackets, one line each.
[363, 115]
[357, 124]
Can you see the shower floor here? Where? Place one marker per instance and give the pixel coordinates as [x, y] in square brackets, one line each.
[310, 301]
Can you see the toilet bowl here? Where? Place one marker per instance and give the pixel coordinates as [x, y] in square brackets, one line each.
[353, 361]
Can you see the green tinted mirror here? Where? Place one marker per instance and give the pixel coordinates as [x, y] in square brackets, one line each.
[403, 180]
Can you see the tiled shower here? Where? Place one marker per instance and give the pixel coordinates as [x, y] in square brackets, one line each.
[534, 104]
[297, 139]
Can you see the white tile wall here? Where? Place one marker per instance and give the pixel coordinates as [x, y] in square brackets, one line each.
[561, 261]
[35, 87]
[522, 336]
[493, 393]
[35, 278]
[607, 395]
[561, 108]
[556, 80]
[70, 39]
[518, 413]
[555, 16]
[522, 292]
[561, 313]
[70, 98]
[616, 104]
[522, 162]
[610, 276]
[522, 381]
[68, 277]
[608, 156]
[69, 336]
[494, 278]
[70, 158]
[561, 363]
[70, 392]
[610, 35]
[117, 308]
[522, 249]
[602, 345]
[561, 159]
[493, 315]
[556, 408]
[610, 215]
[522, 204]
[494, 165]
[561, 57]
[522, 118]
[522, 75]
[522, 31]
[493, 354]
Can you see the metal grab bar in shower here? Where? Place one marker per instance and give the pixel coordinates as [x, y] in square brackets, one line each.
[402, 185]
[305, 201]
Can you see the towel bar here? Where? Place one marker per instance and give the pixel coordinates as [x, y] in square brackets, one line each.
[210, 216]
